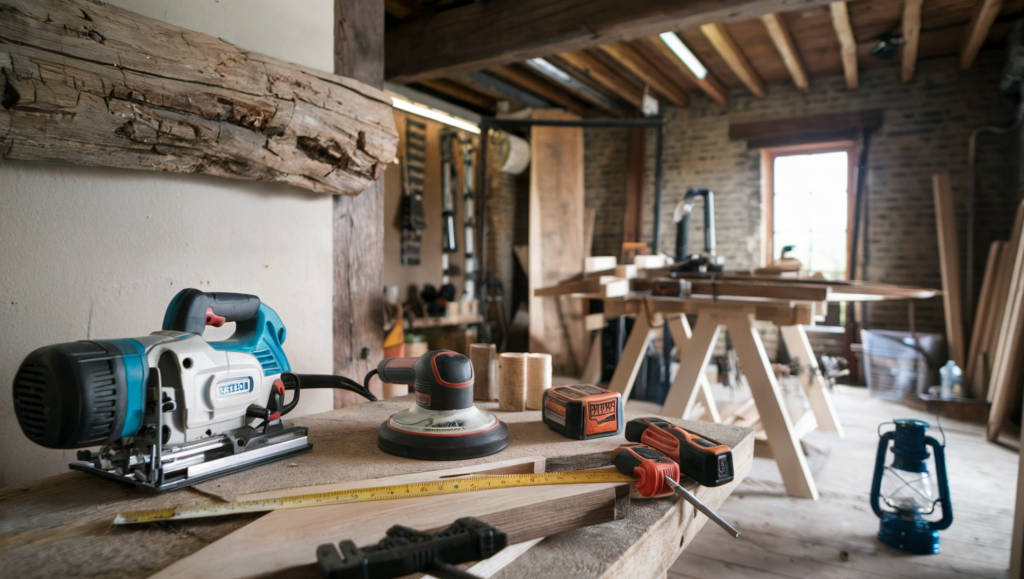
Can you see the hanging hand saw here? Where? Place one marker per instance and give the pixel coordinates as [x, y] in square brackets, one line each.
[448, 177]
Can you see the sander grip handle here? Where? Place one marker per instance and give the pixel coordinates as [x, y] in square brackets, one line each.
[397, 370]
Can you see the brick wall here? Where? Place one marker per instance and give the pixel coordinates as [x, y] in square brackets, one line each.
[925, 129]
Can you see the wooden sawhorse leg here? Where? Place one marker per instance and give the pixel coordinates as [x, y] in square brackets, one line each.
[682, 336]
[694, 353]
[778, 426]
[632, 357]
[820, 398]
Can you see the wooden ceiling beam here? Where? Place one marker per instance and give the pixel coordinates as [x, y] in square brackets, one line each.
[479, 35]
[541, 88]
[401, 8]
[847, 42]
[733, 56]
[602, 76]
[628, 57]
[459, 92]
[985, 12]
[783, 41]
[911, 37]
[709, 84]
[499, 90]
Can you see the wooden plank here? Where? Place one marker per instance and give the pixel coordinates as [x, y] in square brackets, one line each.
[485, 385]
[982, 322]
[596, 263]
[461, 93]
[476, 35]
[143, 94]
[633, 61]
[732, 54]
[293, 535]
[1002, 294]
[598, 73]
[556, 213]
[911, 36]
[1007, 365]
[805, 292]
[949, 259]
[358, 230]
[541, 88]
[985, 13]
[782, 438]
[783, 41]
[589, 223]
[817, 392]
[609, 288]
[632, 357]
[807, 126]
[847, 42]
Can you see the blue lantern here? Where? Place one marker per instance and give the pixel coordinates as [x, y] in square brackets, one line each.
[910, 490]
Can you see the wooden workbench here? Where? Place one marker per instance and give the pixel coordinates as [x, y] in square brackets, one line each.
[736, 301]
[61, 526]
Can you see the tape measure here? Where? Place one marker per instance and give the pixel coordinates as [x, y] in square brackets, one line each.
[384, 493]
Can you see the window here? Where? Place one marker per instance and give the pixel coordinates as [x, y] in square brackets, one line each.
[808, 192]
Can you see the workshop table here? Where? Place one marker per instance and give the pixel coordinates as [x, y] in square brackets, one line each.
[61, 526]
[736, 301]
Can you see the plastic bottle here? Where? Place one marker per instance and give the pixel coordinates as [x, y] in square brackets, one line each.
[951, 383]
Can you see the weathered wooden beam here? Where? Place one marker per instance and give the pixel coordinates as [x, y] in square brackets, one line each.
[985, 12]
[809, 127]
[730, 51]
[601, 75]
[358, 223]
[528, 81]
[557, 76]
[480, 35]
[847, 42]
[628, 57]
[709, 84]
[94, 84]
[911, 37]
[783, 41]
[459, 92]
[500, 90]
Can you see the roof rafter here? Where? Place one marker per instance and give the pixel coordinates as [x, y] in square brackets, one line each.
[911, 37]
[638, 65]
[730, 51]
[602, 76]
[847, 42]
[782, 38]
[985, 12]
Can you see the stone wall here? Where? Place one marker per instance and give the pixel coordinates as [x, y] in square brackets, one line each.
[925, 129]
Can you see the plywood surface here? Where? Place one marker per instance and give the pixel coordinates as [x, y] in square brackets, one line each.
[61, 526]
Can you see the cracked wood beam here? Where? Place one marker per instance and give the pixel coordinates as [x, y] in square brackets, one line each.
[93, 84]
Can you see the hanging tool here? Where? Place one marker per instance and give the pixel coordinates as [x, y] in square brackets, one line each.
[705, 461]
[657, 474]
[684, 260]
[443, 423]
[448, 177]
[468, 199]
[171, 409]
[405, 551]
[448, 486]
[413, 219]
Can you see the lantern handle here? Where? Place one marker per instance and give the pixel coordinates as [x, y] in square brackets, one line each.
[940, 468]
[876, 480]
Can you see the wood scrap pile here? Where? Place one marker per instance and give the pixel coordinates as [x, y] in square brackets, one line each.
[993, 366]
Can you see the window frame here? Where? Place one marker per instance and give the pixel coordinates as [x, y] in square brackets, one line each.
[768, 156]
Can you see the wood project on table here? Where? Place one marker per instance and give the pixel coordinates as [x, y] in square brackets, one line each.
[61, 526]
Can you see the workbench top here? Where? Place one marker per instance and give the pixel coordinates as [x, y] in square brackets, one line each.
[61, 526]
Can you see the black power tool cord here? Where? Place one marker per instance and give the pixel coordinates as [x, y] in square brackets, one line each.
[296, 382]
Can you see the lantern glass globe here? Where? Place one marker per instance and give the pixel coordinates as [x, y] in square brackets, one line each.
[909, 492]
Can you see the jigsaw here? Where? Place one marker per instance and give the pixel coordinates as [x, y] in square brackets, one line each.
[171, 409]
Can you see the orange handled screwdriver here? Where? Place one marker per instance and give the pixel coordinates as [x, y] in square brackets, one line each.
[705, 461]
[657, 474]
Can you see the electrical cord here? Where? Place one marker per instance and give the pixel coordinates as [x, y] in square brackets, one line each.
[296, 382]
[366, 380]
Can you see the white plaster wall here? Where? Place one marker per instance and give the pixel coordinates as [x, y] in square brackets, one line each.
[98, 253]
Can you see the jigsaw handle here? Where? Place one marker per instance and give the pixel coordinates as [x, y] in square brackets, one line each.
[192, 310]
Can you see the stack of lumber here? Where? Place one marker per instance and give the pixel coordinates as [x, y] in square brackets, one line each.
[998, 336]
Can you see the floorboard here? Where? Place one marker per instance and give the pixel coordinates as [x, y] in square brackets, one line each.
[835, 537]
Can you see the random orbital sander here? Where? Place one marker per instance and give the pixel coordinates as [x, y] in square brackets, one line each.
[443, 424]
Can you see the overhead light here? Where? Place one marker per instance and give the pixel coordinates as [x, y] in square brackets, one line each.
[434, 114]
[683, 52]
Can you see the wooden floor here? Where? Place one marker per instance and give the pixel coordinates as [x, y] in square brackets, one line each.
[835, 537]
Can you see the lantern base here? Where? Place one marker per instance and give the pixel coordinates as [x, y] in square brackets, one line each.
[913, 536]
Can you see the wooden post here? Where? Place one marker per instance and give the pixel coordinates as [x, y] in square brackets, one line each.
[359, 221]
[799, 348]
[949, 260]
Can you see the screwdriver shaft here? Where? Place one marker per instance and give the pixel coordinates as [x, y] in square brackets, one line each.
[701, 506]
